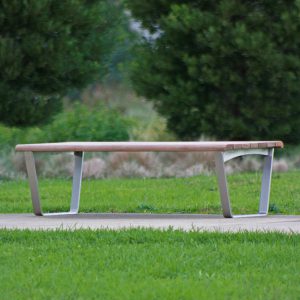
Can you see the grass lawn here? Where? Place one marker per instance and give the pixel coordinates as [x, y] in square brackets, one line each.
[148, 264]
[182, 195]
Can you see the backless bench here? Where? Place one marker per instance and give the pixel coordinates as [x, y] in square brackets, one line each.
[224, 151]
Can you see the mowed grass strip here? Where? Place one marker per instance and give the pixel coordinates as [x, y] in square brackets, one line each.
[148, 264]
[174, 195]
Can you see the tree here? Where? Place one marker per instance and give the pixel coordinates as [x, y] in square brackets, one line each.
[227, 69]
[48, 47]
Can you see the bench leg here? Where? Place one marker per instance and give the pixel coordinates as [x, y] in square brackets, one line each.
[77, 179]
[222, 157]
[33, 182]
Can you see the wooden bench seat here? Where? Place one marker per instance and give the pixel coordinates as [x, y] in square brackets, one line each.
[224, 151]
[146, 146]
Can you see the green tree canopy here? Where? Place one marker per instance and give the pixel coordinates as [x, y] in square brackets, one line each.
[224, 68]
[48, 47]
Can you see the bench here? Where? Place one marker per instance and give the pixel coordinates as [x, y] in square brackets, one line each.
[224, 151]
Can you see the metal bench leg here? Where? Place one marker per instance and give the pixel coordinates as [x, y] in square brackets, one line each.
[33, 182]
[222, 157]
[222, 181]
[266, 184]
[77, 179]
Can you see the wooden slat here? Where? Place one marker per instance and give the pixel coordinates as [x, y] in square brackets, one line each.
[146, 146]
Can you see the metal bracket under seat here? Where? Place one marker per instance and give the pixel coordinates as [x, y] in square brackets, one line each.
[33, 182]
[222, 157]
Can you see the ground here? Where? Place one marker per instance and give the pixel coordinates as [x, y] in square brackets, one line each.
[170, 195]
[151, 264]
[148, 264]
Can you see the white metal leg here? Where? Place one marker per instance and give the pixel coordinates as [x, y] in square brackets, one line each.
[33, 182]
[266, 183]
[222, 157]
[222, 181]
[77, 178]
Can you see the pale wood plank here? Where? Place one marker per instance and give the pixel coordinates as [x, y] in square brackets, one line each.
[147, 146]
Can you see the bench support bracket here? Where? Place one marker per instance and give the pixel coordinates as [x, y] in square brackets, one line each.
[33, 182]
[222, 157]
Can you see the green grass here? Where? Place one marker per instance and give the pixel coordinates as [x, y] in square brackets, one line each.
[177, 195]
[148, 264]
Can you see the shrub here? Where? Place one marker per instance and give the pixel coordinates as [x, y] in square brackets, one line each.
[84, 124]
[77, 124]
[8, 135]
[229, 69]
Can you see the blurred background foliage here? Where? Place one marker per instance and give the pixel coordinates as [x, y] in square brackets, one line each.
[155, 70]
[100, 106]
[48, 48]
[226, 69]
